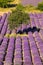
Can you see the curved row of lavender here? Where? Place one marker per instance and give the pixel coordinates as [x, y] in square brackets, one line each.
[25, 50]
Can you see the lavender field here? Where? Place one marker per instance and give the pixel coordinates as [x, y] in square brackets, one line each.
[25, 50]
[31, 2]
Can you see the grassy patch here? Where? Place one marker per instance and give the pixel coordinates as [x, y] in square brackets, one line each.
[3, 10]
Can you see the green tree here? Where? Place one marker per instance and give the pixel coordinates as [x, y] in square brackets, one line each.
[17, 17]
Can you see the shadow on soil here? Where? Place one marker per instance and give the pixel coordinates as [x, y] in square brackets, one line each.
[29, 30]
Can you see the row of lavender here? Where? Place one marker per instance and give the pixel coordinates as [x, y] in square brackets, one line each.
[25, 50]
[20, 50]
[31, 2]
[4, 29]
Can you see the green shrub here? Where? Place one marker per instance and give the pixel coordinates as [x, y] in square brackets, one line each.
[16, 18]
[3, 3]
[40, 6]
[20, 7]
